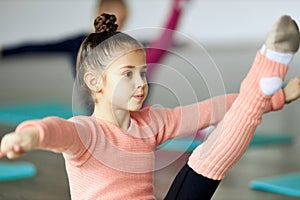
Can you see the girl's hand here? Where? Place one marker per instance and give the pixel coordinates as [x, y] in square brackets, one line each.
[17, 143]
[292, 90]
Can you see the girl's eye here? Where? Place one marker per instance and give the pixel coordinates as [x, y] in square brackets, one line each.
[143, 74]
[128, 74]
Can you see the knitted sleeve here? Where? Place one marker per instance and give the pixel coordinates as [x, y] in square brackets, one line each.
[186, 120]
[72, 137]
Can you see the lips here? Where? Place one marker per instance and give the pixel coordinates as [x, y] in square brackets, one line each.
[139, 97]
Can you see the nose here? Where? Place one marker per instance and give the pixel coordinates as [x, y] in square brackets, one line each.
[140, 81]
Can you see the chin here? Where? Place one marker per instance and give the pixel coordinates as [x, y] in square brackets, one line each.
[135, 107]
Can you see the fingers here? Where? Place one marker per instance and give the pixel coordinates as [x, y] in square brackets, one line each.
[292, 90]
[297, 80]
[12, 155]
[15, 144]
[11, 146]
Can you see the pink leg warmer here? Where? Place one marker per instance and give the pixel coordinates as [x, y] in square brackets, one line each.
[227, 143]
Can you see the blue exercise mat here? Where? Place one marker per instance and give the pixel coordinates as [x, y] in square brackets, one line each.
[16, 170]
[288, 184]
[13, 114]
[259, 139]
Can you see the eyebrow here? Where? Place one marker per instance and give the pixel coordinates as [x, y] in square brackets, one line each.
[131, 67]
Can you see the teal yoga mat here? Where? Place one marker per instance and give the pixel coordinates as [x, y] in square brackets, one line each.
[16, 170]
[288, 184]
[13, 114]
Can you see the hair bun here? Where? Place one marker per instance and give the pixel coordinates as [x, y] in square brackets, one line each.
[105, 23]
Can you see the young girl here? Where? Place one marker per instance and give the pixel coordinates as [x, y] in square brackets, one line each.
[110, 155]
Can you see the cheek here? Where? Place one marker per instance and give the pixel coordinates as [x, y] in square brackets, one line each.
[146, 89]
[121, 91]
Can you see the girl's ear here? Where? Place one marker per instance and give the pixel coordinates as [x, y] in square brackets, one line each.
[93, 82]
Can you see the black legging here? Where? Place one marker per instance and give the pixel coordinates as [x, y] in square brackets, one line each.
[188, 185]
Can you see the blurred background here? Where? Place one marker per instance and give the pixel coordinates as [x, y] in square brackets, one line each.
[209, 33]
[217, 21]
[216, 41]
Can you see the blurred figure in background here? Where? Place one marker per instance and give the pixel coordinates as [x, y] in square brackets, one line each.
[119, 8]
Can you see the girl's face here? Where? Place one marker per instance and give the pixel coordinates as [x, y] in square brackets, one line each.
[125, 84]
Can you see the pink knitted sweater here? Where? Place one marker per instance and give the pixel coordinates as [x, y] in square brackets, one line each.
[105, 162]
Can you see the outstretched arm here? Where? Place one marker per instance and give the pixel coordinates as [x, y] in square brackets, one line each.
[157, 49]
[68, 45]
[212, 111]
[51, 133]
[186, 120]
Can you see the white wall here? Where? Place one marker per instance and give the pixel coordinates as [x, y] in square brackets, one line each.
[209, 21]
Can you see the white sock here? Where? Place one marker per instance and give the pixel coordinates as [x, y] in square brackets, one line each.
[284, 58]
[270, 85]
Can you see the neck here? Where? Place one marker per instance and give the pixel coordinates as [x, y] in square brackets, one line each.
[118, 117]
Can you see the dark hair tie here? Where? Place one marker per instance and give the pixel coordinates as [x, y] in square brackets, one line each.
[105, 23]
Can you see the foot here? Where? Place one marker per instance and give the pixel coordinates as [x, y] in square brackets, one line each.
[284, 36]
